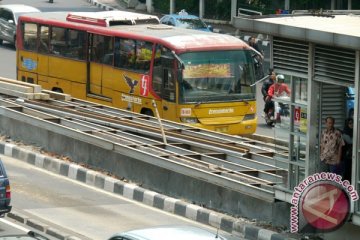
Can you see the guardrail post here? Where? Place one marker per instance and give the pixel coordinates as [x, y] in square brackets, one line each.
[160, 123]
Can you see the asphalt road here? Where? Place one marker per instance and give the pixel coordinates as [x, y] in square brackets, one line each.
[80, 210]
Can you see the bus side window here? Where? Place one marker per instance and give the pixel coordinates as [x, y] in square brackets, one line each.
[57, 41]
[143, 55]
[64, 42]
[102, 50]
[157, 72]
[30, 36]
[169, 85]
[163, 74]
[108, 57]
[44, 39]
[76, 42]
[127, 53]
[157, 80]
[117, 56]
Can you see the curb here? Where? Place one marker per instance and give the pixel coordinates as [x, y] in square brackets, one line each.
[90, 177]
[39, 226]
[101, 5]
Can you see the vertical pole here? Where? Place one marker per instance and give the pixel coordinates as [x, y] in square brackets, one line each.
[172, 6]
[333, 4]
[349, 5]
[312, 162]
[201, 8]
[355, 174]
[149, 6]
[287, 5]
[233, 10]
[159, 120]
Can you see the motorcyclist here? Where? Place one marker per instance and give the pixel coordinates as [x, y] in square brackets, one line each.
[265, 88]
[278, 89]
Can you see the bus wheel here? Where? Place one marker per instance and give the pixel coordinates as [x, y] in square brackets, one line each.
[58, 90]
[147, 112]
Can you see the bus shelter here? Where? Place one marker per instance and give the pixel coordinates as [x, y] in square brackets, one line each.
[319, 55]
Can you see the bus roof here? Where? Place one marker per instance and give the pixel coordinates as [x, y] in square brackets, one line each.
[178, 38]
[111, 18]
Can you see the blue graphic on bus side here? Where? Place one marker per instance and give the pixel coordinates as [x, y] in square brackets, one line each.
[29, 64]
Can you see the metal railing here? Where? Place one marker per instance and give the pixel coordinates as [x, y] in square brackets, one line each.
[247, 12]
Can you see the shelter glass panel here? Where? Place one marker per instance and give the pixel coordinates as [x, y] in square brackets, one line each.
[290, 129]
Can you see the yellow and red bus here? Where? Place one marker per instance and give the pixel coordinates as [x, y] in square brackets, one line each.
[126, 60]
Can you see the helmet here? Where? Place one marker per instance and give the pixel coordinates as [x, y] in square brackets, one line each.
[280, 78]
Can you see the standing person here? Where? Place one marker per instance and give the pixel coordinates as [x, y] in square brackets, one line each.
[254, 45]
[258, 58]
[331, 143]
[347, 149]
[265, 88]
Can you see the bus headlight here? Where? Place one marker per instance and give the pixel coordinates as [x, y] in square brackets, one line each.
[248, 117]
[189, 120]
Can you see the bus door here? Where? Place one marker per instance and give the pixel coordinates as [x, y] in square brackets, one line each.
[165, 72]
[28, 62]
[100, 67]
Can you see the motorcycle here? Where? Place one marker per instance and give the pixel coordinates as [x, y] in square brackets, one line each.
[269, 117]
[269, 114]
[275, 109]
[276, 112]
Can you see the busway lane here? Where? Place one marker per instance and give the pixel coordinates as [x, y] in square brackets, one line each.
[219, 155]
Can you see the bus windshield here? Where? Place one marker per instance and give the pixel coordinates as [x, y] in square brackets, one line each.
[217, 76]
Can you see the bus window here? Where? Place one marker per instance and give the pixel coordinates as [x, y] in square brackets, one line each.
[57, 41]
[44, 39]
[163, 74]
[68, 43]
[76, 43]
[133, 55]
[143, 56]
[127, 53]
[117, 56]
[30, 36]
[102, 49]
[157, 75]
